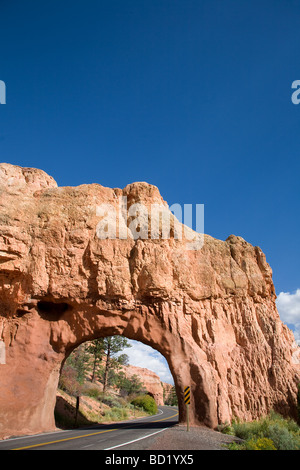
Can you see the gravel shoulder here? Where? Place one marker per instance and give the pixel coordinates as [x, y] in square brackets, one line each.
[178, 438]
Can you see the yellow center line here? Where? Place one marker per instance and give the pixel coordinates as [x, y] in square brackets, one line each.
[62, 440]
[164, 419]
[85, 435]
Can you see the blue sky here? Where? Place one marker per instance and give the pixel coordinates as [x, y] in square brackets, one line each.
[193, 96]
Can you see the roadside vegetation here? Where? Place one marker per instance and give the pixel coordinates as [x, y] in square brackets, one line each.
[171, 399]
[93, 388]
[272, 432]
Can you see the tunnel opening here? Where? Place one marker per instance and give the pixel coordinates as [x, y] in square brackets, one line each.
[110, 379]
[64, 326]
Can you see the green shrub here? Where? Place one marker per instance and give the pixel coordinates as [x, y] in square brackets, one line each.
[282, 438]
[249, 430]
[93, 392]
[113, 402]
[262, 443]
[146, 402]
[266, 433]
[236, 446]
[288, 423]
[116, 414]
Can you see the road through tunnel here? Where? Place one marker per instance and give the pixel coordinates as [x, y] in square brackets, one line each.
[115, 378]
[47, 334]
[207, 305]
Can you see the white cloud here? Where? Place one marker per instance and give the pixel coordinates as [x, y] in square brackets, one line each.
[141, 355]
[288, 306]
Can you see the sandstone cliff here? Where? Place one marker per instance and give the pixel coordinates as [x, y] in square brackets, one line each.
[151, 381]
[211, 311]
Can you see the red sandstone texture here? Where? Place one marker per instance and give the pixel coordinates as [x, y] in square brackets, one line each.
[151, 381]
[211, 312]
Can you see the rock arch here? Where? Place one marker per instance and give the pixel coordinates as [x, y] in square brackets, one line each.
[210, 312]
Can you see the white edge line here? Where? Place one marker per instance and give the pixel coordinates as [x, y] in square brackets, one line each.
[135, 440]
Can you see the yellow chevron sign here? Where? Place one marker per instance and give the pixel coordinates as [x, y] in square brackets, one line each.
[187, 395]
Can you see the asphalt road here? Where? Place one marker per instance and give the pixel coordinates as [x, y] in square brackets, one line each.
[119, 436]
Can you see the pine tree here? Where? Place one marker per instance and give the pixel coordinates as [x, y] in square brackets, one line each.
[129, 385]
[79, 360]
[96, 349]
[112, 346]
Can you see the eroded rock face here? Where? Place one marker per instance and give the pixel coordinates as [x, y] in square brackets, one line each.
[25, 180]
[151, 382]
[211, 312]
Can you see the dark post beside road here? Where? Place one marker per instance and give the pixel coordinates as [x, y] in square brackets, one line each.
[187, 401]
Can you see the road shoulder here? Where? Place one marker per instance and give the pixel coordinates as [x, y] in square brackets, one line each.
[178, 438]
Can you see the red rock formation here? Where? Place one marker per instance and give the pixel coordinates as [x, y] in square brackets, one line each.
[211, 312]
[150, 380]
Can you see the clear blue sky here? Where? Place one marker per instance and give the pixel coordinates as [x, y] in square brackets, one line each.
[193, 96]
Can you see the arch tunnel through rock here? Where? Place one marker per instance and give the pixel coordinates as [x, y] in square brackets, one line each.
[210, 312]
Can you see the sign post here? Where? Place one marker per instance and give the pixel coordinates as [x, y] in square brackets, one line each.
[187, 401]
[77, 409]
